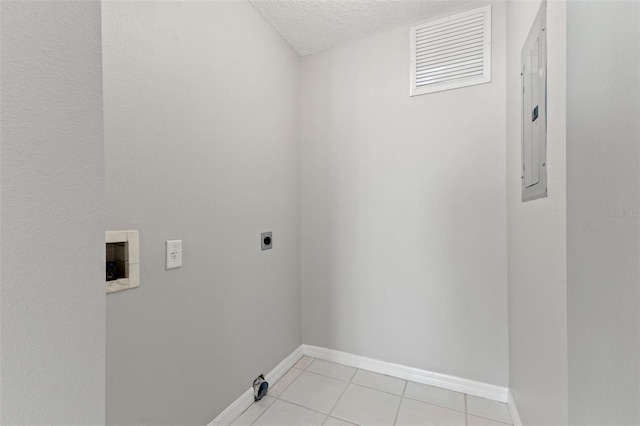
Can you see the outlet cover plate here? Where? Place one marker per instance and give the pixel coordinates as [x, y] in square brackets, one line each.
[174, 254]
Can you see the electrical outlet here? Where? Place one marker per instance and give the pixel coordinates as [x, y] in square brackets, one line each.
[266, 240]
[174, 254]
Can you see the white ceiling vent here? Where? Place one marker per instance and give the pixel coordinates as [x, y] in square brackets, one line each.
[451, 52]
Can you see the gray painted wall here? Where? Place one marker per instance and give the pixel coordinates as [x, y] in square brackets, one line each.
[404, 211]
[199, 149]
[201, 141]
[603, 201]
[52, 304]
[537, 245]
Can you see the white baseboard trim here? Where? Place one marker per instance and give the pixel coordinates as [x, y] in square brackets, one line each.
[245, 400]
[458, 384]
[515, 417]
[236, 408]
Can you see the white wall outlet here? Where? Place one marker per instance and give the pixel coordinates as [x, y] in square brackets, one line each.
[174, 254]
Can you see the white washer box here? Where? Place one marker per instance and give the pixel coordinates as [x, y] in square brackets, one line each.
[123, 248]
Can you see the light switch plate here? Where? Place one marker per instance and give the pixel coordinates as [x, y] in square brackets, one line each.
[174, 254]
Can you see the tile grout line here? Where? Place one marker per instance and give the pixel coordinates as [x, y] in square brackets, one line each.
[252, 405]
[354, 374]
[376, 389]
[287, 387]
[434, 403]
[491, 419]
[361, 385]
[302, 370]
[277, 398]
[264, 411]
[485, 417]
[437, 405]
[404, 389]
[342, 380]
[300, 405]
[466, 413]
[338, 400]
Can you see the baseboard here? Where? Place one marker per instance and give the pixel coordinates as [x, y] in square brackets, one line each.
[245, 400]
[515, 417]
[458, 384]
[236, 408]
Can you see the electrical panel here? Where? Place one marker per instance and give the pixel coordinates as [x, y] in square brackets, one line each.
[534, 110]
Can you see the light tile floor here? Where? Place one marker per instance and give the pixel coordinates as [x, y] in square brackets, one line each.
[317, 392]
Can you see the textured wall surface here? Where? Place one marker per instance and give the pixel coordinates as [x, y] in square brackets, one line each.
[603, 205]
[201, 138]
[310, 26]
[52, 220]
[404, 211]
[537, 244]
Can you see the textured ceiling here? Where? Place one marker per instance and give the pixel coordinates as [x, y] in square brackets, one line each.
[313, 25]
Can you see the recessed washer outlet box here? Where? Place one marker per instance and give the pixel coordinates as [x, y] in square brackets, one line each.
[122, 260]
[266, 240]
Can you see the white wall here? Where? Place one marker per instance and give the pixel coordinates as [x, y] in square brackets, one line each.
[201, 135]
[603, 201]
[404, 211]
[52, 304]
[537, 242]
